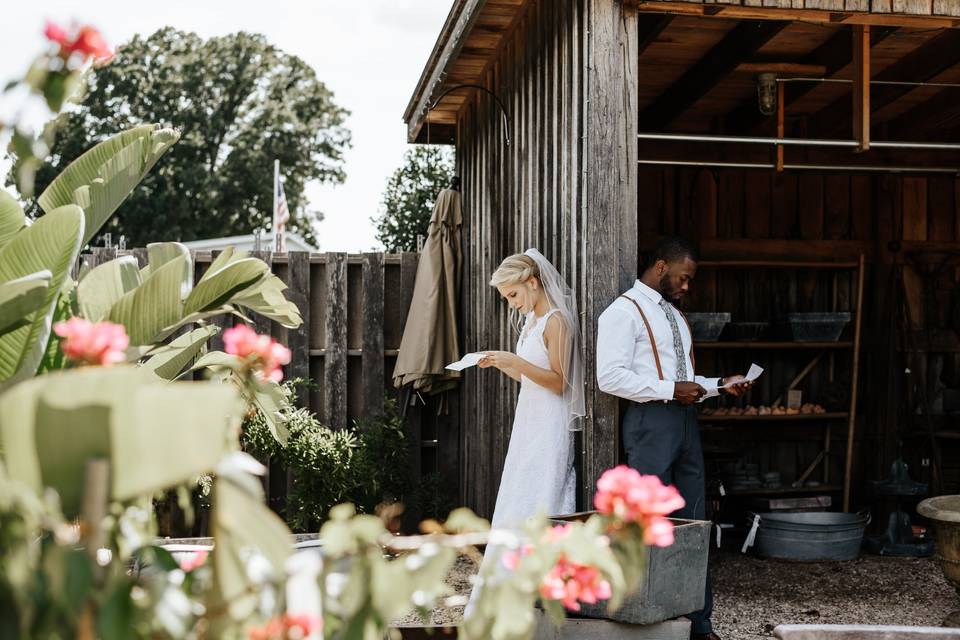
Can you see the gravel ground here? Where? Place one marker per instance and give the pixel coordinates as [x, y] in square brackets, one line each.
[752, 596]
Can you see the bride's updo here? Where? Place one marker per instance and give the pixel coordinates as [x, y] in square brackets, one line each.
[515, 269]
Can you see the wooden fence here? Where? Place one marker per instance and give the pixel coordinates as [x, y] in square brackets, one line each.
[354, 308]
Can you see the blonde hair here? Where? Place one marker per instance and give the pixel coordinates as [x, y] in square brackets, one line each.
[515, 269]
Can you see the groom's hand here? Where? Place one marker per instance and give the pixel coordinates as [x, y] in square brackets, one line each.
[687, 392]
[738, 388]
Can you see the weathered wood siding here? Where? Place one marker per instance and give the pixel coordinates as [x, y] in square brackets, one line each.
[553, 187]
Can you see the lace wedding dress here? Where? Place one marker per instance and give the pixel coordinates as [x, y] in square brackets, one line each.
[538, 475]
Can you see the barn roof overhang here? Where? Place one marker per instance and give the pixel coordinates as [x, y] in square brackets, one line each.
[699, 61]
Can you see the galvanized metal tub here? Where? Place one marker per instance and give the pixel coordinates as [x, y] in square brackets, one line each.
[673, 583]
[811, 537]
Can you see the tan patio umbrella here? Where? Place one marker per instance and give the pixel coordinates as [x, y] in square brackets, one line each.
[430, 337]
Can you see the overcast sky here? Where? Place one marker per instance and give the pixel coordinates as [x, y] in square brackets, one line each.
[368, 52]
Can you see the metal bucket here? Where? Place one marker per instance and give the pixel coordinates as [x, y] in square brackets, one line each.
[810, 536]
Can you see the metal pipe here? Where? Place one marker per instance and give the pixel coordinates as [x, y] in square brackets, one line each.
[902, 83]
[685, 137]
[811, 142]
[800, 167]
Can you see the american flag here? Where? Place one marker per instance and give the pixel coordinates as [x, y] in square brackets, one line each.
[281, 214]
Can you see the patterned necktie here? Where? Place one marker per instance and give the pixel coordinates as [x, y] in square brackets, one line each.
[677, 340]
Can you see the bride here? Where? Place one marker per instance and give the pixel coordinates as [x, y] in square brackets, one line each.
[538, 474]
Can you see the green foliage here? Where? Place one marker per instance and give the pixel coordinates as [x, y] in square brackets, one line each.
[410, 194]
[365, 465]
[239, 103]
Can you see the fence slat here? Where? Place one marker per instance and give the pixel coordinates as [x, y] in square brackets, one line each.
[298, 340]
[335, 359]
[372, 362]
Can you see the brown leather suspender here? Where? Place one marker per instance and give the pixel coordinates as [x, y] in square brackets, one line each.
[653, 342]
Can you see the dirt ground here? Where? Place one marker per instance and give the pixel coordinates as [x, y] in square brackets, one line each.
[752, 595]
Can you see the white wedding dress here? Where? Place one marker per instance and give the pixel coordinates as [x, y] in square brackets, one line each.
[538, 474]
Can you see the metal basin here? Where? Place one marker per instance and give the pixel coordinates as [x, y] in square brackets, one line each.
[944, 512]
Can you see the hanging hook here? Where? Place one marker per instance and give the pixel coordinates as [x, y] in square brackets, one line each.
[503, 110]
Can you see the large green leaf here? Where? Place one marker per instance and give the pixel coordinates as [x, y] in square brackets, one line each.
[155, 434]
[11, 217]
[102, 178]
[52, 244]
[241, 523]
[267, 299]
[103, 285]
[160, 253]
[154, 305]
[21, 297]
[216, 288]
[171, 359]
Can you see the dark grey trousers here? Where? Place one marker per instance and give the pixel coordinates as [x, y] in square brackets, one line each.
[663, 439]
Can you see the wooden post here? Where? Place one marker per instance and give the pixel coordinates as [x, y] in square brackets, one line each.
[861, 86]
[854, 375]
[610, 183]
[372, 353]
[781, 115]
[335, 354]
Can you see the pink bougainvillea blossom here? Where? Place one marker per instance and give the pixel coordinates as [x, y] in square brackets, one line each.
[625, 494]
[289, 626]
[87, 41]
[572, 583]
[511, 559]
[264, 354]
[100, 343]
[194, 560]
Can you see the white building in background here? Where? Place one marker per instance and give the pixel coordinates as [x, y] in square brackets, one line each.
[295, 242]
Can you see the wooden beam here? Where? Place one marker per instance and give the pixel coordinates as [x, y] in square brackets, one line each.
[783, 68]
[806, 15]
[923, 63]
[834, 55]
[934, 115]
[651, 25]
[741, 42]
[861, 86]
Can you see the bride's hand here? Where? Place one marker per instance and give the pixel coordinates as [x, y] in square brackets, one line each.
[500, 359]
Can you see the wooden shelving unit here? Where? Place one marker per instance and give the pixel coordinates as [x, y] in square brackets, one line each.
[827, 420]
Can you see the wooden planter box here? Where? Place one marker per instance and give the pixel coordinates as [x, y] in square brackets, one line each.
[674, 582]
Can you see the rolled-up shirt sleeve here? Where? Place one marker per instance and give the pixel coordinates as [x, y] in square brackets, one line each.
[711, 385]
[617, 338]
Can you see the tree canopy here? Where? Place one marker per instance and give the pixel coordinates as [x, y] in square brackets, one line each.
[239, 103]
[410, 194]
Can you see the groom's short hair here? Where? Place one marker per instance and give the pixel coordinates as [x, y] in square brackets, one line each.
[671, 249]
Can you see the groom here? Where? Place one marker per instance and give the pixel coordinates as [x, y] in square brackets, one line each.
[645, 355]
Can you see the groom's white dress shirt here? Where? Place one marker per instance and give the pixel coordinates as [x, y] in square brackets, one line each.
[625, 362]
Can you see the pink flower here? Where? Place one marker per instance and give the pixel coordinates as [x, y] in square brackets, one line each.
[194, 560]
[558, 533]
[102, 343]
[573, 583]
[511, 559]
[628, 496]
[657, 531]
[289, 626]
[264, 354]
[88, 41]
[56, 33]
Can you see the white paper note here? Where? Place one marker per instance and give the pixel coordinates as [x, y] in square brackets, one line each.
[468, 360]
[752, 374]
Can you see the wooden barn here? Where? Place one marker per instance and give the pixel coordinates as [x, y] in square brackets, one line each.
[811, 149]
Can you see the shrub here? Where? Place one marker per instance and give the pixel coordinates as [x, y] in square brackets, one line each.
[366, 464]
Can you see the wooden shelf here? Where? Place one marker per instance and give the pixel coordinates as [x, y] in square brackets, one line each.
[764, 491]
[776, 264]
[746, 344]
[799, 417]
